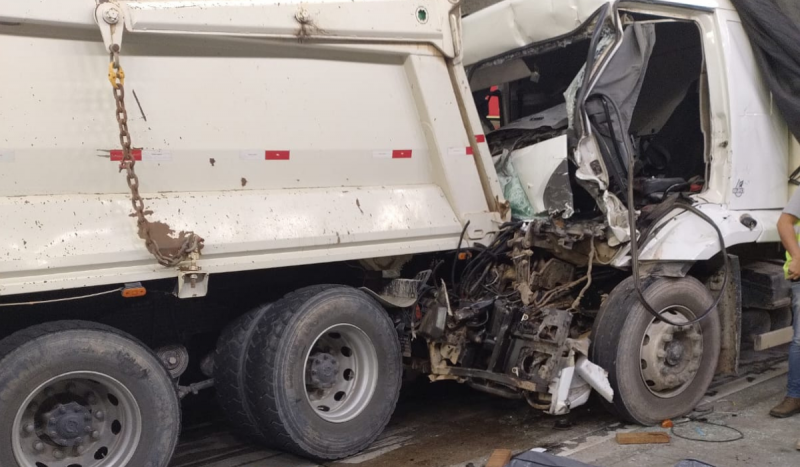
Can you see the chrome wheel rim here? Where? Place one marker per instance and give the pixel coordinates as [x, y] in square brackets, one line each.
[83, 418]
[341, 373]
[670, 356]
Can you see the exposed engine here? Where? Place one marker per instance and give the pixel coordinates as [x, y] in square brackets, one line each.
[514, 320]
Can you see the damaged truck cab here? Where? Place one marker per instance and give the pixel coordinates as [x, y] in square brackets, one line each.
[633, 139]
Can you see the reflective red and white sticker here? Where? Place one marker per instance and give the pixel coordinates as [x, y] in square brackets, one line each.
[465, 151]
[117, 154]
[152, 155]
[393, 154]
[261, 155]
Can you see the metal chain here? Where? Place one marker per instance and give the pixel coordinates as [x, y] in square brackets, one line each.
[192, 242]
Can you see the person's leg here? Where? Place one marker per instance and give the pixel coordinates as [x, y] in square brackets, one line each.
[793, 387]
[791, 404]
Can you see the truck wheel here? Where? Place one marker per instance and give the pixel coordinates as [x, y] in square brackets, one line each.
[229, 373]
[324, 372]
[658, 371]
[82, 394]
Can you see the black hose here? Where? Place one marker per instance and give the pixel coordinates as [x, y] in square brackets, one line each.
[634, 241]
[455, 259]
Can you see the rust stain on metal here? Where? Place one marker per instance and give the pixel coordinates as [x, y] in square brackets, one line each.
[167, 240]
[308, 27]
[358, 203]
[244, 182]
[212, 161]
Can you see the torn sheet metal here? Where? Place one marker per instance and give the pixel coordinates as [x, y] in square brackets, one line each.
[544, 175]
[620, 82]
[512, 24]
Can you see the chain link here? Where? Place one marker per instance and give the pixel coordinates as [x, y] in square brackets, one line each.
[192, 243]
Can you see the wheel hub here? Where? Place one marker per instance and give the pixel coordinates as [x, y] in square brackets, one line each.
[671, 355]
[341, 371]
[323, 369]
[674, 353]
[68, 424]
[77, 419]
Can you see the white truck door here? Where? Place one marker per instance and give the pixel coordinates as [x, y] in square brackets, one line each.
[759, 146]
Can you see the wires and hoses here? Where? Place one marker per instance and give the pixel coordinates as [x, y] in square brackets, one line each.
[701, 418]
[66, 299]
[458, 252]
[484, 259]
[635, 243]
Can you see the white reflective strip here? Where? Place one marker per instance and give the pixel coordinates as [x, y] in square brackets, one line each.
[382, 154]
[6, 155]
[252, 155]
[156, 155]
[460, 151]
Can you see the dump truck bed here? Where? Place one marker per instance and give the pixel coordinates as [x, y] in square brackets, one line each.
[278, 141]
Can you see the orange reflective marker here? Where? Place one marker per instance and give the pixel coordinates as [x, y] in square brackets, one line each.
[133, 291]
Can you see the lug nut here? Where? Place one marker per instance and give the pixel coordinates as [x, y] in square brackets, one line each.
[58, 454]
[91, 398]
[95, 434]
[87, 429]
[99, 415]
[38, 446]
[34, 407]
[29, 428]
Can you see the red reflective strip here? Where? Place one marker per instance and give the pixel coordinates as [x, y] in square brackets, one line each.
[276, 155]
[401, 154]
[116, 155]
[469, 150]
[480, 138]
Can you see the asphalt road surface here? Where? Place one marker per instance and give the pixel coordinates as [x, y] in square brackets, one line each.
[437, 425]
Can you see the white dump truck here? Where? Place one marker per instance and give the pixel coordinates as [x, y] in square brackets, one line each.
[297, 202]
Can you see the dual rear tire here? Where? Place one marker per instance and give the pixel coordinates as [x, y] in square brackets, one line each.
[81, 394]
[317, 373]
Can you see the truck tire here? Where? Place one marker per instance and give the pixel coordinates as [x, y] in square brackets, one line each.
[229, 373]
[82, 394]
[324, 372]
[658, 371]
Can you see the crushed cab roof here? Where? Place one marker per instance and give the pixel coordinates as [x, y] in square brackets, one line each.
[512, 24]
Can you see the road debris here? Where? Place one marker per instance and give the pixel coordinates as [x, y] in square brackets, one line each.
[643, 438]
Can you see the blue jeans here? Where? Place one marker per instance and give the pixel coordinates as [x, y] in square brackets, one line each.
[793, 389]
